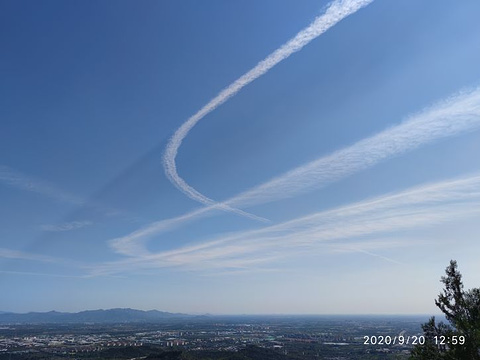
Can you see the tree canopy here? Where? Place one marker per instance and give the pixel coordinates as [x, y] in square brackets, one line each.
[460, 338]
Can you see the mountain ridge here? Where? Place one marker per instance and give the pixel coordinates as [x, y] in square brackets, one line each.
[114, 315]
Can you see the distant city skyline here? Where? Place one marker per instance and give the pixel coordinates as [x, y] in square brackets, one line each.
[238, 158]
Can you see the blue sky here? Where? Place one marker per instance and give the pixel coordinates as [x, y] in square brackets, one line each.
[339, 178]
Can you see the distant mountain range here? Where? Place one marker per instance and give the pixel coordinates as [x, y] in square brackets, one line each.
[91, 316]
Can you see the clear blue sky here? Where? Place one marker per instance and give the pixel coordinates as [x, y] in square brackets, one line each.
[371, 134]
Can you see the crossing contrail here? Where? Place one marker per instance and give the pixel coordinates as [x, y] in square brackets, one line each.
[350, 227]
[337, 10]
[455, 115]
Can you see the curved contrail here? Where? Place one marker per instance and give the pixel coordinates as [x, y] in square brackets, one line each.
[453, 116]
[337, 10]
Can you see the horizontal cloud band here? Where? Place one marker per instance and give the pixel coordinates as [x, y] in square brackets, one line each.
[416, 207]
[458, 114]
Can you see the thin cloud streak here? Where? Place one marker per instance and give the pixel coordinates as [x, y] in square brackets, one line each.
[73, 225]
[17, 255]
[379, 256]
[27, 256]
[24, 182]
[337, 11]
[416, 207]
[458, 114]
[20, 255]
[27, 273]
[133, 244]
[20, 181]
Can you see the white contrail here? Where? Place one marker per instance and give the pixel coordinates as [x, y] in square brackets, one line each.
[458, 114]
[346, 227]
[22, 255]
[68, 226]
[21, 181]
[27, 273]
[418, 206]
[338, 10]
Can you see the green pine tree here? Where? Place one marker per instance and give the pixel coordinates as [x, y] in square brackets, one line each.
[462, 311]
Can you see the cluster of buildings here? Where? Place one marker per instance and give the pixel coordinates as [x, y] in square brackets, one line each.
[282, 337]
[64, 343]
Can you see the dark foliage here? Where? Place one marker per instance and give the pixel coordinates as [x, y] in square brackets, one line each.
[462, 311]
[250, 353]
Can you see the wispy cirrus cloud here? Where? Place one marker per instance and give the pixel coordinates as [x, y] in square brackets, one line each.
[337, 11]
[31, 273]
[21, 255]
[455, 115]
[16, 179]
[21, 181]
[346, 228]
[13, 255]
[28, 256]
[68, 226]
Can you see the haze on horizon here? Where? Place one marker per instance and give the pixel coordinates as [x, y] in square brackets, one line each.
[238, 158]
